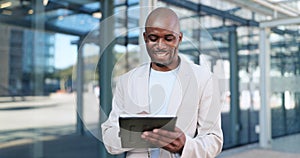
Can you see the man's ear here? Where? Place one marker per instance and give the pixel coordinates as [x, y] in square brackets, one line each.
[180, 37]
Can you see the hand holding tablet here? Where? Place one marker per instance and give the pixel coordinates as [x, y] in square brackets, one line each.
[132, 127]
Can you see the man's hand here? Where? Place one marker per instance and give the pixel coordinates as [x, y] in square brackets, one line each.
[172, 141]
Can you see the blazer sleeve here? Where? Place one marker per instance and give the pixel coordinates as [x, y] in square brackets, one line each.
[110, 128]
[208, 141]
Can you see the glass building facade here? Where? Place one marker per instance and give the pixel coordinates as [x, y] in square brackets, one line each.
[23, 61]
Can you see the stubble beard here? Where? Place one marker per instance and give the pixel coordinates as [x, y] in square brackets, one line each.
[171, 56]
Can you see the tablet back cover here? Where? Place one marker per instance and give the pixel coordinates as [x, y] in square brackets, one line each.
[132, 126]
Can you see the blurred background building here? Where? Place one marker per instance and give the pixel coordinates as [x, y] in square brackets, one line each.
[56, 56]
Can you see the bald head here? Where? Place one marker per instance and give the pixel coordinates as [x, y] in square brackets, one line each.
[163, 18]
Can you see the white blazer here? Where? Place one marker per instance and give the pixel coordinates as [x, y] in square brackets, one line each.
[195, 100]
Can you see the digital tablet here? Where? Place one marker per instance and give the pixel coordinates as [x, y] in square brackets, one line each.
[132, 126]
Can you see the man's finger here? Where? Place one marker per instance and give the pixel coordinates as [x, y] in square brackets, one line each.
[159, 137]
[166, 133]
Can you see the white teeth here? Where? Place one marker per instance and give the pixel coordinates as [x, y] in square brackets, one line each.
[161, 54]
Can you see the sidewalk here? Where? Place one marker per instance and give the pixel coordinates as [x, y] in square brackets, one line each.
[16, 99]
[76, 146]
[67, 146]
[45, 128]
[58, 142]
[283, 147]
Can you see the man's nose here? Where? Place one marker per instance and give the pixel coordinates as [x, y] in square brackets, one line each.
[161, 43]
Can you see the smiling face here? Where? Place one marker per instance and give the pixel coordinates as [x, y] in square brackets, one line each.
[162, 47]
[162, 38]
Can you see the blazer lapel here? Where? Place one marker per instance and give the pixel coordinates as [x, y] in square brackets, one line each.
[180, 87]
[141, 84]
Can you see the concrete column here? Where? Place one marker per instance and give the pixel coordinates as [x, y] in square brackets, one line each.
[234, 87]
[79, 89]
[38, 27]
[265, 135]
[146, 6]
[106, 65]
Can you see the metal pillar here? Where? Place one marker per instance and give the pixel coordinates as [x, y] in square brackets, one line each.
[106, 65]
[297, 94]
[265, 135]
[145, 8]
[38, 25]
[284, 121]
[234, 87]
[79, 89]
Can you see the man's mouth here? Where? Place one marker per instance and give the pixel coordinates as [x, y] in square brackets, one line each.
[161, 54]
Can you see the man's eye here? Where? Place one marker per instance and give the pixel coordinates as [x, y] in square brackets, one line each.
[152, 38]
[169, 38]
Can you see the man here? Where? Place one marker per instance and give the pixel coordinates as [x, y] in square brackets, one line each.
[168, 85]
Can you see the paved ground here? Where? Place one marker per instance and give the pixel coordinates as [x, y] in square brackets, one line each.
[44, 127]
[35, 127]
[284, 147]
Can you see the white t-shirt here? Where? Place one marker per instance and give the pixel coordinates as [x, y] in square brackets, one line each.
[160, 88]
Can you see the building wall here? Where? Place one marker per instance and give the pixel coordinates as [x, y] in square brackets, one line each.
[4, 59]
[25, 63]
